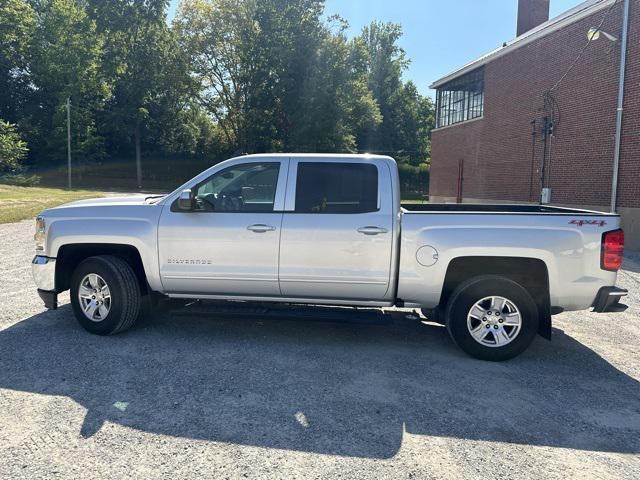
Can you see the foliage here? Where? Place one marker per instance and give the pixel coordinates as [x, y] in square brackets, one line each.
[64, 63]
[147, 73]
[413, 179]
[408, 117]
[275, 76]
[13, 149]
[227, 76]
[17, 21]
[20, 179]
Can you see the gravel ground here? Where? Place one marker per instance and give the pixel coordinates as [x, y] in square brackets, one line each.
[256, 396]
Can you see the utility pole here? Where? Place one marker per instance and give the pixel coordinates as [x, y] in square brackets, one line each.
[138, 155]
[69, 141]
[623, 61]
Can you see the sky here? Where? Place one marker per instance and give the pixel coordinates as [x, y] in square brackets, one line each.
[439, 35]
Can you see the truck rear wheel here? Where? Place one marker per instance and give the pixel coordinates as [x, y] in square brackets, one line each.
[105, 295]
[492, 317]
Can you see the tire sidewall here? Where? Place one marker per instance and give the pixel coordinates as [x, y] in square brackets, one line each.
[473, 290]
[116, 288]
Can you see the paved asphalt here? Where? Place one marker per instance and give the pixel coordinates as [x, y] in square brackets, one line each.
[222, 393]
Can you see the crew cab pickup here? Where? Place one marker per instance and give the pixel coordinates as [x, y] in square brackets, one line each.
[330, 229]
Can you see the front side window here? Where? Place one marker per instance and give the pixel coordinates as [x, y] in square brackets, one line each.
[249, 187]
[336, 188]
[460, 99]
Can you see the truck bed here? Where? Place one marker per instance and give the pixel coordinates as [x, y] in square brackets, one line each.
[567, 241]
[470, 208]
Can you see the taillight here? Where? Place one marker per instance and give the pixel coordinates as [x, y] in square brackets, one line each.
[612, 249]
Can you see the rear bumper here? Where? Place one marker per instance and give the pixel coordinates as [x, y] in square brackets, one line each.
[608, 300]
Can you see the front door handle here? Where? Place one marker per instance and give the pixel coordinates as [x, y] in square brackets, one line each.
[260, 228]
[370, 230]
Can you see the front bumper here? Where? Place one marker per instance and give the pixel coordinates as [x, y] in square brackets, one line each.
[43, 270]
[49, 298]
[608, 300]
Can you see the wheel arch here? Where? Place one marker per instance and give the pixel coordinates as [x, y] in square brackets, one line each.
[71, 255]
[531, 273]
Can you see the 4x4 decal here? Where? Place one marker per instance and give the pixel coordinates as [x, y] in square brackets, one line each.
[600, 223]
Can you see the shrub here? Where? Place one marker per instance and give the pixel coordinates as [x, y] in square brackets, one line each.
[13, 149]
[20, 179]
[414, 180]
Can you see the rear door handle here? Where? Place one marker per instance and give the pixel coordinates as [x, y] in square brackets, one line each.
[260, 228]
[371, 230]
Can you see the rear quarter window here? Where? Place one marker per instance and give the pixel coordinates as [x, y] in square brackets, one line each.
[336, 188]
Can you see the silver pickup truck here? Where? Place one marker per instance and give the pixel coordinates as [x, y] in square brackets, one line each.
[330, 229]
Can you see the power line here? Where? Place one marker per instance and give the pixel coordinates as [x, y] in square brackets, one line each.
[586, 45]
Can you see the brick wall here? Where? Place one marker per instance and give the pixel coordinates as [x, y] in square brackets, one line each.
[629, 186]
[497, 150]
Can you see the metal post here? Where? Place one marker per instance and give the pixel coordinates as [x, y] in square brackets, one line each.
[543, 166]
[69, 141]
[459, 197]
[138, 155]
[533, 157]
[623, 61]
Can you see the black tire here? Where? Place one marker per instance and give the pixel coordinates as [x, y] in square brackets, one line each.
[475, 289]
[125, 299]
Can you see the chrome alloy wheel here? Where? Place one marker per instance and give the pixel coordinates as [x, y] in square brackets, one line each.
[94, 297]
[494, 321]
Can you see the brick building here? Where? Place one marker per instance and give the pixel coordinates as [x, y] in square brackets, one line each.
[540, 113]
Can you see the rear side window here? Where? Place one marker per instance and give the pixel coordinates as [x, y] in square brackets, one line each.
[336, 188]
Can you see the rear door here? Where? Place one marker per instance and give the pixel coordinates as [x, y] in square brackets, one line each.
[337, 230]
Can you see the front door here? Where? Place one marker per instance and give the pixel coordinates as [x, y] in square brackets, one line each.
[337, 231]
[229, 244]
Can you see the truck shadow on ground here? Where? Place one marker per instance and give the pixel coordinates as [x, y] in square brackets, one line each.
[348, 388]
[631, 262]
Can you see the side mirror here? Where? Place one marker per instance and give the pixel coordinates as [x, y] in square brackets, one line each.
[186, 201]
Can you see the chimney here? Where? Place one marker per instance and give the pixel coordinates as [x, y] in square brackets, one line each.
[531, 13]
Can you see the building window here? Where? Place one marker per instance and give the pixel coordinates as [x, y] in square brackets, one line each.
[460, 99]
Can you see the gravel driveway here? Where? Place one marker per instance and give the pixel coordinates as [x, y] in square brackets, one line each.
[252, 395]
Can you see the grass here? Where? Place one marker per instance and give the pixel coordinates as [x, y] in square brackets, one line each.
[19, 203]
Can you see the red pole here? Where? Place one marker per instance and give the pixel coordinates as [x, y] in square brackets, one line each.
[460, 178]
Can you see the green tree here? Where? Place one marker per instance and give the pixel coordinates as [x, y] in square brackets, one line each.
[416, 118]
[64, 63]
[274, 74]
[13, 149]
[226, 76]
[407, 116]
[17, 21]
[335, 102]
[214, 34]
[387, 61]
[149, 78]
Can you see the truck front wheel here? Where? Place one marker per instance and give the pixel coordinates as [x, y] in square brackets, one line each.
[105, 295]
[492, 317]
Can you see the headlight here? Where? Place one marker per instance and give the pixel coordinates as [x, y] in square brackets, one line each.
[39, 235]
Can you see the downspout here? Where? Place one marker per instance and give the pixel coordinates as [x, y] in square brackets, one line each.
[623, 62]
[533, 157]
[543, 166]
